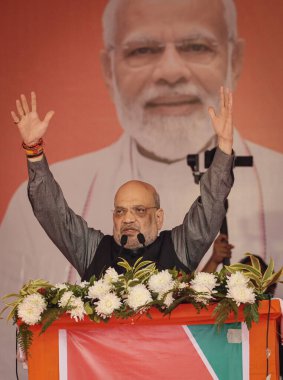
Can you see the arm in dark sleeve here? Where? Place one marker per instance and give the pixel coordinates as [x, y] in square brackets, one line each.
[203, 221]
[68, 231]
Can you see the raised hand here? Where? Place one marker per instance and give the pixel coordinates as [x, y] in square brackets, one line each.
[30, 126]
[223, 123]
[222, 249]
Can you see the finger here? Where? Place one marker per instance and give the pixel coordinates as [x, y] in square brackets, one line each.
[25, 104]
[212, 113]
[228, 99]
[222, 98]
[15, 118]
[225, 94]
[226, 253]
[223, 238]
[33, 101]
[19, 108]
[48, 117]
[230, 104]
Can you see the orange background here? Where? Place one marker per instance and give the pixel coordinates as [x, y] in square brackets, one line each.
[53, 47]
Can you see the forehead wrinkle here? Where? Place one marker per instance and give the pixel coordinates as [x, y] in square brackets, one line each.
[137, 37]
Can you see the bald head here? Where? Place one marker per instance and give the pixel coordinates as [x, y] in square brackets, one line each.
[137, 210]
[133, 189]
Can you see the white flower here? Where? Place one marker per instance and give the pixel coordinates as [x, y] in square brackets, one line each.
[138, 296]
[241, 294]
[183, 285]
[61, 286]
[169, 299]
[237, 279]
[77, 312]
[111, 276]
[161, 282]
[107, 304]
[66, 299]
[83, 284]
[75, 305]
[30, 309]
[204, 283]
[99, 289]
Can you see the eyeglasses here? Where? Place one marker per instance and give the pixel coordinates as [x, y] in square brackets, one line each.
[140, 211]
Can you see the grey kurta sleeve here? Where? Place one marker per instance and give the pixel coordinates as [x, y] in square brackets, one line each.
[203, 221]
[68, 231]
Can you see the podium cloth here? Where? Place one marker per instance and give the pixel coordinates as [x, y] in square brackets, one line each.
[184, 345]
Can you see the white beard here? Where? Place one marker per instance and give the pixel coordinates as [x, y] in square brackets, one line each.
[167, 137]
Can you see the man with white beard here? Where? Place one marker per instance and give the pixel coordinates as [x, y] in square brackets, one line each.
[163, 63]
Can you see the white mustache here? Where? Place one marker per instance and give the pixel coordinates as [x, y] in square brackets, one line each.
[182, 90]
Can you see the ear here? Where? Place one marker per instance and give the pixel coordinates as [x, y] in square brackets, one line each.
[237, 60]
[106, 64]
[159, 218]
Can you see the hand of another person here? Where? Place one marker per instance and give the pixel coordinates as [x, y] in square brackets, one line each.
[223, 123]
[221, 250]
[30, 126]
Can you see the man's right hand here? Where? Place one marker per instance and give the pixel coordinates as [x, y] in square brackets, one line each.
[31, 128]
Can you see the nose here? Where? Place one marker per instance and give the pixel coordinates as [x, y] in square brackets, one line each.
[129, 217]
[171, 69]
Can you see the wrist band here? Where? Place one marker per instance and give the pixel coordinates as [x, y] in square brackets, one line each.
[34, 155]
[34, 150]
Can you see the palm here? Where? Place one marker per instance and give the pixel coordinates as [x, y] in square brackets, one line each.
[30, 126]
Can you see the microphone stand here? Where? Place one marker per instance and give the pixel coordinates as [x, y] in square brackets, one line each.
[193, 162]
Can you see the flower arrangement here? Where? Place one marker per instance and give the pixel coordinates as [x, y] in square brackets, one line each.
[137, 290]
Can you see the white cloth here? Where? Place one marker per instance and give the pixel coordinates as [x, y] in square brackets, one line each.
[89, 183]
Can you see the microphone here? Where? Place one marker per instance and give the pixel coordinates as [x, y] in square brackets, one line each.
[141, 239]
[123, 240]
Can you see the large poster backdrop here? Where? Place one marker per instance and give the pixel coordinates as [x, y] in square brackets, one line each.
[53, 47]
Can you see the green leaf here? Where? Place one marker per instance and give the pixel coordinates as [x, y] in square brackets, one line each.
[251, 314]
[273, 279]
[269, 270]
[95, 318]
[245, 267]
[139, 263]
[124, 264]
[5, 308]
[24, 338]
[49, 316]
[252, 276]
[255, 262]
[10, 295]
[88, 308]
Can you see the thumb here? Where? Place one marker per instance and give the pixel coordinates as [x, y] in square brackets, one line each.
[48, 116]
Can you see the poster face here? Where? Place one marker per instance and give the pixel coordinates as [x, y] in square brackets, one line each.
[132, 105]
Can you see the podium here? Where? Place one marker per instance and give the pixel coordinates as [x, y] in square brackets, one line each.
[49, 354]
